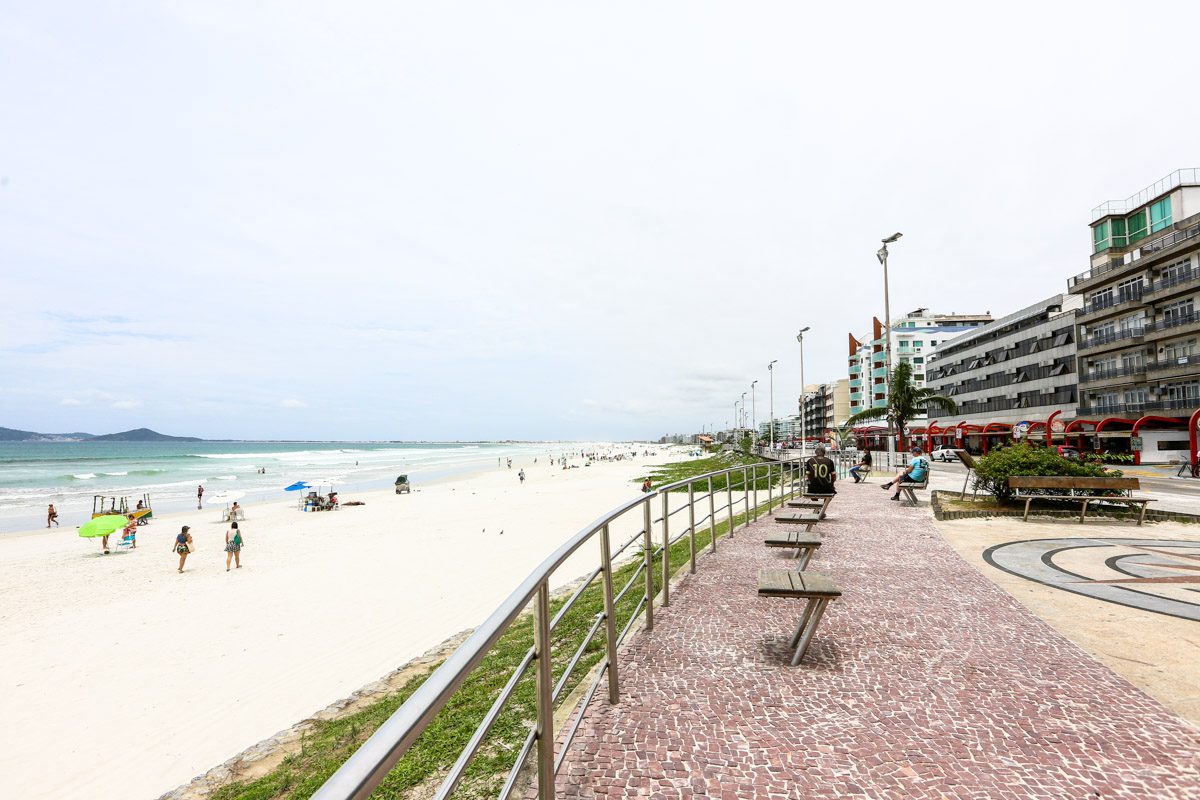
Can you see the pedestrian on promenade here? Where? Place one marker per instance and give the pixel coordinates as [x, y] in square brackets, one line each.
[51, 516]
[917, 472]
[199, 496]
[863, 466]
[183, 546]
[820, 472]
[233, 546]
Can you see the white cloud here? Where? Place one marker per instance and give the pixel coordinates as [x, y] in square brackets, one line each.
[71, 401]
[292, 402]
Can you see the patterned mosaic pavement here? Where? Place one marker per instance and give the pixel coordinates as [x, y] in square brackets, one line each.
[925, 680]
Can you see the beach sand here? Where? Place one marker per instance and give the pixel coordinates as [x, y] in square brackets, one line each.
[121, 678]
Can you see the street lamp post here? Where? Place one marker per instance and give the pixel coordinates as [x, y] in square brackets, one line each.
[743, 417]
[771, 373]
[753, 412]
[882, 255]
[803, 410]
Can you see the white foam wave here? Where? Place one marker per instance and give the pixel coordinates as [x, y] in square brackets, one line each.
[116, 473]
[225, 478]
[84, 476]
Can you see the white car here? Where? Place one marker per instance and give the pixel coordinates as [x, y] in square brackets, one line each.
[944, 454]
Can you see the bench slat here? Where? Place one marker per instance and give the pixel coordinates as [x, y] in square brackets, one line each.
[796, 518]
[1069, 482]
[785, 583]
[794, 539]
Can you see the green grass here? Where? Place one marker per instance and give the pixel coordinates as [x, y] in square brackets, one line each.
[681, 470]
[330, 743]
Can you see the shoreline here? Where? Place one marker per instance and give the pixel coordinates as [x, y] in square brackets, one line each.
[200, 666]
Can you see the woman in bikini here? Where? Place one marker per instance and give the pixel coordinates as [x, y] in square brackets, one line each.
[183, 546]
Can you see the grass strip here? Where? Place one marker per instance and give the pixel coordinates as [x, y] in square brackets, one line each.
[330, 743]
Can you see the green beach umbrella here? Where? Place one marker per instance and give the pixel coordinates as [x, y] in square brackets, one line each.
[103, 526]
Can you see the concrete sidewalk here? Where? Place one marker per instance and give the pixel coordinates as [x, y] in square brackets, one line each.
[925, 680]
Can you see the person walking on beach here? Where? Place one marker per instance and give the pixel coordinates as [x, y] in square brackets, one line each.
[521, 475]
[199, 496]
[233, 546]
[183, 546]
[51, 516]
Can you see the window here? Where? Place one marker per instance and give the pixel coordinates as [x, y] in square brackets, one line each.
[1133, 361]
[1118, 232]
[1100, 238]
[1160, 215]
[1101, 299]
[1134, 322]
[1179, 351]
[1061, 339]
[918, 360]
[1173, 444]
[1136, 397]
[1137, 226]
[1178, 313]
[918, 344]
[933, 343]
[1177, 272]
[1129, 289]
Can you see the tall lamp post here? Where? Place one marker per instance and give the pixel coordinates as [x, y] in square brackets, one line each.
[882, 255]
[771, 374]
[753, 412]
[743, 409]
[803, 410]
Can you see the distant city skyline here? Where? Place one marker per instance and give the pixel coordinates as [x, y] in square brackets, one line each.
[535, 222]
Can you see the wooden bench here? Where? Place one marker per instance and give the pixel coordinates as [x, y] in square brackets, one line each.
[798, 518]
[1074, 484]
[907, 488]
[814, 587]
[805, 543]
[813, 501]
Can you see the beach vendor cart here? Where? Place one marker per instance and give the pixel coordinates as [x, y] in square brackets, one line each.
[107, 506]
[402, 485]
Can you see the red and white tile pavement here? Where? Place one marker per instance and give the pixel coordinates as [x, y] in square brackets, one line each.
[925, 680]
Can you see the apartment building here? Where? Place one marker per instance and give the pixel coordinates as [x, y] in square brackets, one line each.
[1020, 367]
[1138, 327]
[826, 405]
[913, 338]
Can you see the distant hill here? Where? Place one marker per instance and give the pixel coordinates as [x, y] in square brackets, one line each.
[13, 435]
[142, 435]
[136, 435]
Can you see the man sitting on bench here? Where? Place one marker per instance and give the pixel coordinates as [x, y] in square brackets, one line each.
[917, 472]
[820, 472]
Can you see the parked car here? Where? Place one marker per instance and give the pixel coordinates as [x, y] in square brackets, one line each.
[944, 454]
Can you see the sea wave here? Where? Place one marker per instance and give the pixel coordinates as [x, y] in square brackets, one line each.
[116, 473]
[84, 476]
[225, 478]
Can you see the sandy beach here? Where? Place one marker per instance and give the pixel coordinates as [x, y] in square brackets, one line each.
[123, 679]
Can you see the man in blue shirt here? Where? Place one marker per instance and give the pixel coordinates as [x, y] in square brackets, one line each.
[917, 472]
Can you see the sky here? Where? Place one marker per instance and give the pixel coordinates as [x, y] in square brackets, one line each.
[458, 221]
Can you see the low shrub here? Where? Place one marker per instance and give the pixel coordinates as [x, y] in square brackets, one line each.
[993, 470]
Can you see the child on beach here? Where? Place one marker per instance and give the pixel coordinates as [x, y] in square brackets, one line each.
[129, 535]
[233, 546]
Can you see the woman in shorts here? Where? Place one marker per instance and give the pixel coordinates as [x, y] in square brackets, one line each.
[233, 546]
[183, 546]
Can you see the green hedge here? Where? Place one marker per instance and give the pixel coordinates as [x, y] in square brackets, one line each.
[993, 470]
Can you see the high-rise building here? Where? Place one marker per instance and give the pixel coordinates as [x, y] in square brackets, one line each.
[826, 405]
[913, 337]
[1138, 329]
[1020, 367]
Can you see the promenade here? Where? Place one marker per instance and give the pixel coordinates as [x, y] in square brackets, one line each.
[925, 680]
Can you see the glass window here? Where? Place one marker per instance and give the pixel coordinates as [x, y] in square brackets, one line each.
[1118, 232]
[1100, 240]
[918, 360]
[1137, 226]
[1160, 215]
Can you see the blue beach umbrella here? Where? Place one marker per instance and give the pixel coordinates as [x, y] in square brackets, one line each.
[297, 486]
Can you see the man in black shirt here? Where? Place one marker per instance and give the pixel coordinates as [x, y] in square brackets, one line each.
[821, 472]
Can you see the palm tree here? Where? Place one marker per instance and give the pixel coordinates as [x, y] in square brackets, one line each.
[905, 401]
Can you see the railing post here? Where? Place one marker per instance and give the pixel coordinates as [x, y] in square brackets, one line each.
[745, 495]
[648, 547]
[770, 489]
[729, 498]
[692, 527]
[610, 615]
[712, 516]
[666, 558]
[754, 483]
[545, 690]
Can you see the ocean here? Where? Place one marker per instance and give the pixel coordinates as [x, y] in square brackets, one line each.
[69, 474]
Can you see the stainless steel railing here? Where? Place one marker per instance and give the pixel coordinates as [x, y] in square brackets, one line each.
[366, 768]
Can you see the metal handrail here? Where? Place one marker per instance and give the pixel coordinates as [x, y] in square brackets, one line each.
[370, 764]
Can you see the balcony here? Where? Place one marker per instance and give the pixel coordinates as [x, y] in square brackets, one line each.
[1110, 304]
[1166, 369]
[1114, 376]
[1165, 287]
[1171, 407]
[879, 372]
[1111, 339]
[1173, 325]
